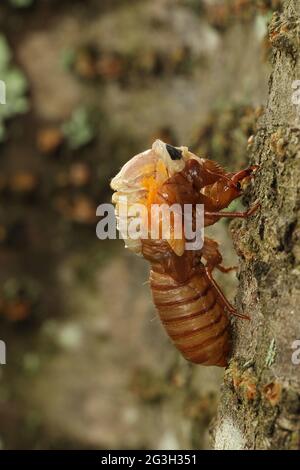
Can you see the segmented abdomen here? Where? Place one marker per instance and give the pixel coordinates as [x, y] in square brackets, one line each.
[193, 317]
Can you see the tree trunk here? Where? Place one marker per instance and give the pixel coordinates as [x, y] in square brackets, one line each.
[260, 401]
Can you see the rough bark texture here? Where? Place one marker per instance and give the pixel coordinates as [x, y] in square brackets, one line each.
[260, 403]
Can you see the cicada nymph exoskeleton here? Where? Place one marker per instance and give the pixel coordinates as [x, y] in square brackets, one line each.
[191, 306]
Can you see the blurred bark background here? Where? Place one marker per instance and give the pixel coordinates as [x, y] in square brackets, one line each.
[90, 84]
[260, 401]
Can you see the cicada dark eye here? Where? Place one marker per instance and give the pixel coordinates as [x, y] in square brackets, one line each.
[174, 153]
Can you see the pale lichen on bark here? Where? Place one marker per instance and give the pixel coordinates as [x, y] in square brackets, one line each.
[261, 392]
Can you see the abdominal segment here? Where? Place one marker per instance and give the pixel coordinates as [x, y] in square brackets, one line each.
[193, 317]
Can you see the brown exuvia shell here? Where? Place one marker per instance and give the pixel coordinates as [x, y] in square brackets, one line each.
[190, 304]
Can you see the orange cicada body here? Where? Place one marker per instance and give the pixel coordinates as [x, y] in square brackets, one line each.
[191, 306]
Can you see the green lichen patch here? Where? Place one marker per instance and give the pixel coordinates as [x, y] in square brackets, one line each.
[14, 88]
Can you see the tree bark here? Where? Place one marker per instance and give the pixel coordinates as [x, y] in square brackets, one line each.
[260, 401]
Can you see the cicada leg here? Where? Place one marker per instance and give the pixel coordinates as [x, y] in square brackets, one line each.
[214, 259]
[241, 215]
[230, 308]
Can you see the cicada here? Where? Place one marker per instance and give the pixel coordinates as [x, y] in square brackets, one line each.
[190, 303]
